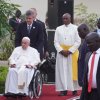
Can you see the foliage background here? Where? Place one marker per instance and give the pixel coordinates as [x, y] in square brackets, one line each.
[3, 75]
[6, 44]
[82, 16]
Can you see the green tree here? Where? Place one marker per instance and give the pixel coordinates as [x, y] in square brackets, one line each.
[6, 9]
[82, 16]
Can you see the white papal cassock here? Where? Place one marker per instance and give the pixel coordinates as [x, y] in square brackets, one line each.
[68, 36]
[21, 76]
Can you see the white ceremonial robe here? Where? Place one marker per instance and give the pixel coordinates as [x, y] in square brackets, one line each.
[21, 75]
[66, 35]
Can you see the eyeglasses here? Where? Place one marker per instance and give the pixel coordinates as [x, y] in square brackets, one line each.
[64, 18]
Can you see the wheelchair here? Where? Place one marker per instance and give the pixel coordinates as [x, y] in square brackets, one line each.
[35, 86]
[34, 89]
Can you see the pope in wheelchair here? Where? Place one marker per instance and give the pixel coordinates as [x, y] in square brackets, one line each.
[22, 61]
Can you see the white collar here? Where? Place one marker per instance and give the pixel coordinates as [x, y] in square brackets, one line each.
[35, 19]
[98, 51]
[29, 25]
[67, 25]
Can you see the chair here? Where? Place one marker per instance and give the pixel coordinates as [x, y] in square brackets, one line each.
[35, 88]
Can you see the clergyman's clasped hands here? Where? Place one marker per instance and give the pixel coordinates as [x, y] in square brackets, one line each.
[65, 53]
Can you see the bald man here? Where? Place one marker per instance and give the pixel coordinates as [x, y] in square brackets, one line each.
[83, 30]
[22, 62]
[66, 43]
[91, 86]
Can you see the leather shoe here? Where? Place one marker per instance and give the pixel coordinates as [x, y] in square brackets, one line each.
[21, 94]
[9, 94]
[63, 93]
[75, 92]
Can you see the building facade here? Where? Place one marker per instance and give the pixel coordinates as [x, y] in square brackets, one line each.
[42, 6]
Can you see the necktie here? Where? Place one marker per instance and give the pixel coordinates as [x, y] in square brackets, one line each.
[91, 73]
[29, 28]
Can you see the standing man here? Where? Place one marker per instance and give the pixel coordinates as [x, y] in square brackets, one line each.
[45, 40]
[31, 29]
[15, 21]
[83, 30]
[91, 86]
[66, 43]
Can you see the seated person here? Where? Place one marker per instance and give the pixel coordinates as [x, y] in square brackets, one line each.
[22, 62]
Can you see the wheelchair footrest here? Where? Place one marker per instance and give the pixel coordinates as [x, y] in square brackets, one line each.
[19, 95]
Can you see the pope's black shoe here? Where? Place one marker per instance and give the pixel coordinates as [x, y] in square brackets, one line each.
[9, 94]
[21, 94]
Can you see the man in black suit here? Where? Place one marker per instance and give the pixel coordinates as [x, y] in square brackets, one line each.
[14, 21]
[31, 29]
[45, 40]
[91, 86]
[83, 30]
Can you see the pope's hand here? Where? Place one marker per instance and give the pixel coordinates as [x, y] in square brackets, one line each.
[13, 65]
[29, 66]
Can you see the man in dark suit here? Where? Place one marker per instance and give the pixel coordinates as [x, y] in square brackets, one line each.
[45, 40]
[91, 86]
[83, 30]
[31, 29]
[15, 21]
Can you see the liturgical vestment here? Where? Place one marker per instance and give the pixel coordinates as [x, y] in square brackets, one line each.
[67, 38]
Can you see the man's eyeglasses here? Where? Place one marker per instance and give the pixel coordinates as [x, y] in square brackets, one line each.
[65, 18]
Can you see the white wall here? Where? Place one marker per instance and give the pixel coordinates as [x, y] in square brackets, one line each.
[40, 5]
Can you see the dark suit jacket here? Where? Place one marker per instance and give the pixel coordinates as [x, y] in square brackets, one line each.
[35, 35]
[81, 61]
[13, 23]
[45, 40]
[84, 94]
[95, 30]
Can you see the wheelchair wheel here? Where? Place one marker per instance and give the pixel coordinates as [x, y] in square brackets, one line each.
[37, 86]
[31, 92]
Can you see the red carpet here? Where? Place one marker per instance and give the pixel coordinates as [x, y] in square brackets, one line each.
[48, 93]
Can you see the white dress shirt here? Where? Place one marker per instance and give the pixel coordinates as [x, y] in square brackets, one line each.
[29, 26]
[97, 57]
[98, 31]
[18, 20]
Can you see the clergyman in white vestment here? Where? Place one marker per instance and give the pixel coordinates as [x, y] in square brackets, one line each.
[22, 61]
[66, 42]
